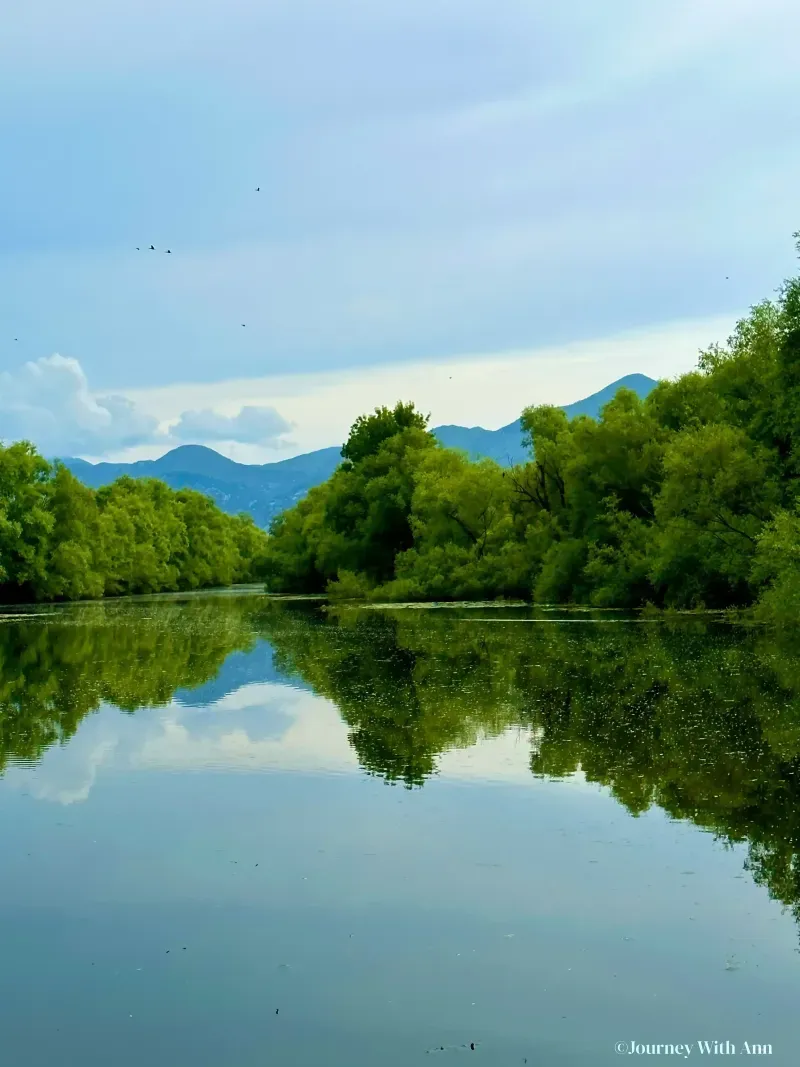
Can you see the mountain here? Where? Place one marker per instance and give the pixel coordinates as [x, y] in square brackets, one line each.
[264, 490]
[505, 445]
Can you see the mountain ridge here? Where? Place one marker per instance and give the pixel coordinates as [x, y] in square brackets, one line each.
[264, 490]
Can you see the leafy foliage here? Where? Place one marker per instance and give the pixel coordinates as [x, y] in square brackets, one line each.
[60, 540]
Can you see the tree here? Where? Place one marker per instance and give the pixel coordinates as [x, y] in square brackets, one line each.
[25, 519]
[719, 489]
[369, 432]
[776, 567]
[75, 565]
[660, 501]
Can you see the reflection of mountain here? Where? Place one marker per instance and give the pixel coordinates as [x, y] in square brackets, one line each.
[238, 670]
[264, 490]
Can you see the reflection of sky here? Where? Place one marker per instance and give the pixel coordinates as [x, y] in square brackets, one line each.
[534, 917]
[240, 668]
[249, 717]
[258, 726]
[540, 921]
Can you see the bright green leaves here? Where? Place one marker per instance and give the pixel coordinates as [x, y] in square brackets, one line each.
[60, 540]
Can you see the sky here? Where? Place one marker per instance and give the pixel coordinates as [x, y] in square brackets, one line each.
[472, 205]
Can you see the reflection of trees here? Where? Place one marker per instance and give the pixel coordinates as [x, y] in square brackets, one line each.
[701, 720]
[53, 673]
[404, 702]
[703, 723]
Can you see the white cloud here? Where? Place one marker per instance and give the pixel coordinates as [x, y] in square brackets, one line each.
[253, 425]
[49, 402]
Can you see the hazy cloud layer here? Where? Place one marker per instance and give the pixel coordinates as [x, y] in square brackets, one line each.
[252, 426]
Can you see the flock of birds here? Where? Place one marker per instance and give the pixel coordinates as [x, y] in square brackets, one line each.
[168, 251]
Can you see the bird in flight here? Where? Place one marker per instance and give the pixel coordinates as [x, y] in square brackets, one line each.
[258, 188]
[137, 248]
[168, 252]
[152, 248]
[242, 324]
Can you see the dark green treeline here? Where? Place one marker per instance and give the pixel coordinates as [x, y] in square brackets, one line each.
[60, 540]
[687, 499]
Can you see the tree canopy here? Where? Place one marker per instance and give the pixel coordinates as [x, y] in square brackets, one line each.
[60, 540]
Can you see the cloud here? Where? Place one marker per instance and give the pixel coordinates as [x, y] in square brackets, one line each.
[252, 426]
[49, 402]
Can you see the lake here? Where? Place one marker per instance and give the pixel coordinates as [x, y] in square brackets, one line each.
[239, 831]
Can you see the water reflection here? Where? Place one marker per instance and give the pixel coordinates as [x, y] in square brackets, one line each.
[699, 720]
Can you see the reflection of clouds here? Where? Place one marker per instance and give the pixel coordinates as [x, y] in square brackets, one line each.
[503, 759]
[314, 739]
[263, 726]
[66, 773]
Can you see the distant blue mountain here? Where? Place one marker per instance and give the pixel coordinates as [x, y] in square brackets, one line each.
[505, 445]
[264, 490]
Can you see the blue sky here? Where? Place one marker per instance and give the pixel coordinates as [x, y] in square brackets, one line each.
[442, 184]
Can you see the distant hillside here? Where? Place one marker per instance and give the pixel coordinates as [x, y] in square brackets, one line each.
[264, 490]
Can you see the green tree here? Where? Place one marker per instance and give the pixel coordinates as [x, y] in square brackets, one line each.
[75, 567]
[369, 432]
[719, 489]
[776, 567]
[26, 521]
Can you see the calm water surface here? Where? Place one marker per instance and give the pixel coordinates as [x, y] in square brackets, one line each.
[241, 832]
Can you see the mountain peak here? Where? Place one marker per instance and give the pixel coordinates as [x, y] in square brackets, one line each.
[196, 459]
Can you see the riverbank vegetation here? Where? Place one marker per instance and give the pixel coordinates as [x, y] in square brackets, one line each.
[686, 499]
[60, 540]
